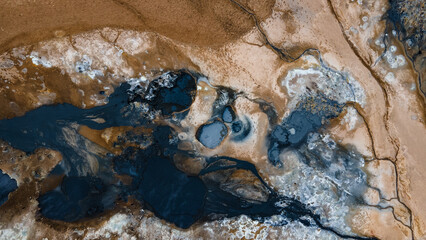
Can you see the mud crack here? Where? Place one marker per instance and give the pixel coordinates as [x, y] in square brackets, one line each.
[283, 54]
[385, 90]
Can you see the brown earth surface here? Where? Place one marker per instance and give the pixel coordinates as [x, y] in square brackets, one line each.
[250, 45]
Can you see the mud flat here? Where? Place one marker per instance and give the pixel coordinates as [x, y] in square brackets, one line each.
[232, 119]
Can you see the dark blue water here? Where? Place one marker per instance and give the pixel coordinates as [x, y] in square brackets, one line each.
[7, 185]
[167, 191]
[44, 126]
[228, 114]
[212, 134]
[170, 193]
[77, 198]
[241, 129]
[181, 199]
[240, 126]
[80, 196]
[156, 182]
[173, 93]
[310, 115]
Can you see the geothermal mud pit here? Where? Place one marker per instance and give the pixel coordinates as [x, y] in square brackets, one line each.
[283, 120]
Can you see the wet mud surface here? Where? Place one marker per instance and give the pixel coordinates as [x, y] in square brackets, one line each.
[8, 185]
[296, 121]
[85, 192]
[407, 18]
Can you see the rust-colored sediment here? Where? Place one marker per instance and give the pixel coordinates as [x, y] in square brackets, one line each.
[246, 45]
[197, 22]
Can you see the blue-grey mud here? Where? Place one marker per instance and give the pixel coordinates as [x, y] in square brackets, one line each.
[407, 18]
[225, 119]
[147, 158]
[7, 185]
